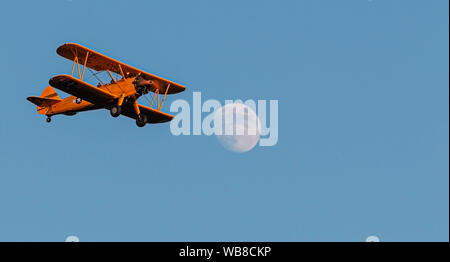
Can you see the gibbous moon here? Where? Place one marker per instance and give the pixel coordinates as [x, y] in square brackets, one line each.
[237, 127]
[72, 239]
[372, 239]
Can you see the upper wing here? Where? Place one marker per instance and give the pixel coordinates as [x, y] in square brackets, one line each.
[153, 116]
[101, 62]
[78, 88]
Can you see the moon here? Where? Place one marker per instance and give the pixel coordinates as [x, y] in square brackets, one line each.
[72, 239]
[237, 127]
[372, 239]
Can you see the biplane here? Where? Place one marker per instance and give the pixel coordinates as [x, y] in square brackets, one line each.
[119, 96]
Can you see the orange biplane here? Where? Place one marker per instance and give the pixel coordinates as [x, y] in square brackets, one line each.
[119, 96]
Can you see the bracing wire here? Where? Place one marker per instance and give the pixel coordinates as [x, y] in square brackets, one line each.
[95, 75]
[147, 100]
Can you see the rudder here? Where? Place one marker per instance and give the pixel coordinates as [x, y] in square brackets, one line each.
[49, 92]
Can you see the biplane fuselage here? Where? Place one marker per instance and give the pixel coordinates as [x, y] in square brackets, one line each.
[119, 96]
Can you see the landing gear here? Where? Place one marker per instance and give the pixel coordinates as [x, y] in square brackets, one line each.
[49, 119]
[141, 120]
[115, 111]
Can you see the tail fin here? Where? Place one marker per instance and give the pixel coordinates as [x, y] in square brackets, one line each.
[47, 99]
[49, 92]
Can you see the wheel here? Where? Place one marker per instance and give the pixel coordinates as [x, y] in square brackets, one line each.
[49, 119]
[141, 120]
[115, 111]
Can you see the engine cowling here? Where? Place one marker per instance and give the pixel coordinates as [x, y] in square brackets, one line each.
[142, 85]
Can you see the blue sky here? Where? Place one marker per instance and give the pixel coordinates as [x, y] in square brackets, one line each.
[363, 123]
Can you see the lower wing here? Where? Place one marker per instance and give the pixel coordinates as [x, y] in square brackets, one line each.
[83, 90]
[153, 116]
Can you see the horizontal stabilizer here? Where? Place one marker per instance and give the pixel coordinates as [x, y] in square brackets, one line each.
[41, 101]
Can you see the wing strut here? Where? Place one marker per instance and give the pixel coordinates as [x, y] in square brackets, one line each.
[164, 98]
[76, 61]
[121, 72]
[84, 66]
[112, 78]
[156, 94]
[153, 98]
